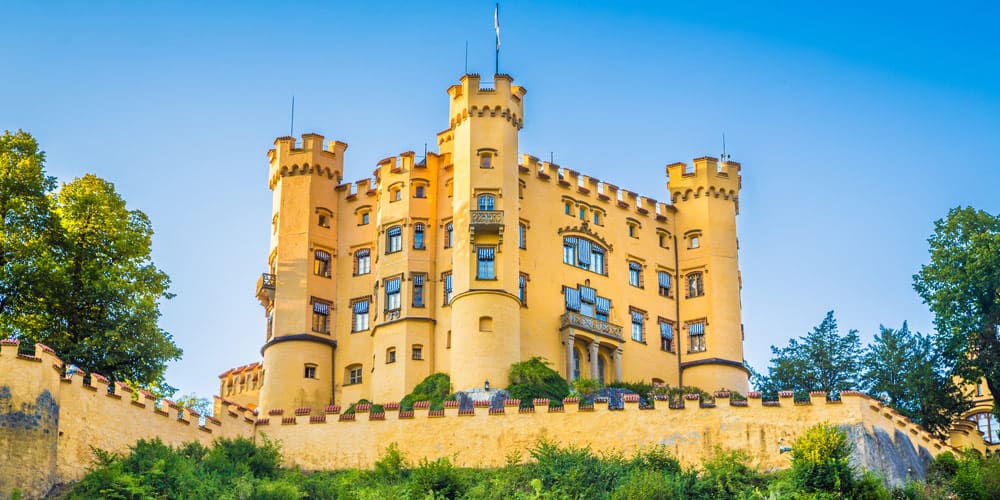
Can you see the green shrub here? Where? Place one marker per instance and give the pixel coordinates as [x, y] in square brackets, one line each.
[533, 378]
[439, 477]
[584, 388]
[435, 388]
[655, 458]
[646, 484]
[943, 469]
[728, 474]
[231, 458]
[391, 465]
[820, 460]
[575, 472]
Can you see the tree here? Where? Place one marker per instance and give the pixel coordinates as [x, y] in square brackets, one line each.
[911, 374]
[824, 360]
[534, 379]
[28, 230]
[106, 317]
[961, 285]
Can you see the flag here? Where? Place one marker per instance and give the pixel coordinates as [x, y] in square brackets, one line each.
[496, 24]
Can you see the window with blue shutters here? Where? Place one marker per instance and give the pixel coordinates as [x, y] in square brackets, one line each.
[666, 336]
[320, 316]
[392, 294]
[583, 253]
[393, 239]
[418, 236]
[418, 290]
[321, 263]
[635, 274]
[359, 314]
[696, 336]
[486, 266]
[663, 282]
[638, 318]
[362, 261]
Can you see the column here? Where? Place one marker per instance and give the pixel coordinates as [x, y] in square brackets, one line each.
[594, 357]
[568, 341]
[618, 364]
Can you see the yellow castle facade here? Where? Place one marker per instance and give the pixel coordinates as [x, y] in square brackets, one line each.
[476, 257]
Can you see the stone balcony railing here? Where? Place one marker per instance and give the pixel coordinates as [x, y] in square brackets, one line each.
[486, 217]
[598, 327]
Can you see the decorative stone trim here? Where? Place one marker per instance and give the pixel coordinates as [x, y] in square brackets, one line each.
[601, 399]
[707, 404]
[276, 412]
[346, 417]
[435, 413]
[317, 419]
[466, 412]
[497, 411]
[362, 408]
[287, 420]
[480, 404]
[676, 406]
[405, 413]
[513, 402]
[420, 405]
[566, 401]
[722, 394]
[376, 416]
[661, 397]
[692, 397]
[754, 395]
[526, 409]
[391, 406]
[630, 398]
[333, 409]
[303, 411]
[451, 404]
[785, 394]
[771, 403]
[263, 421]
[737, 403]
[817, 394]
[540, 401]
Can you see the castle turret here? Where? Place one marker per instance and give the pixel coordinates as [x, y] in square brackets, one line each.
[485, 261]
[711, 340]
[299, 292]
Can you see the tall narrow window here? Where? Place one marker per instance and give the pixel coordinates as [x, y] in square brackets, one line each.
[583, 213]
[393, 239]
[449, 235]
[418, 236]
[321, 263]
[637, 324]
[583, 253]
[487, 202]
[666, 336]
[695, 241]
[485, 268]
[635, 274]
[359, 310]
[447, 288]
[390, 355]
[418, 290]
[521, 236]
[695, 285]
[321, 316]
[522, 289]
[633, 231]
[363, 261]
[392, 294]
[364, 219]
[663, 282]
[568, 208]
[597, 218]
[696, 337]
[602, 308]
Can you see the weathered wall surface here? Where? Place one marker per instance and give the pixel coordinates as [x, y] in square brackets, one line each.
[886, 440]
[49, 423]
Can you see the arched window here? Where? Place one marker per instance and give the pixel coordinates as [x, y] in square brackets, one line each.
[487, 202]
[583, 253]
[987, 423]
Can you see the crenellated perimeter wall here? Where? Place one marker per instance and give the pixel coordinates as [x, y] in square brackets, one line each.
[49, 424]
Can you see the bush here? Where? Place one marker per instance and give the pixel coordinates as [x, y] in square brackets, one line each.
[585, 388]
[435, 388]
[943, 469]
[728, 474]
[656, 458]
[646, 484]
[439, 477]
[820, 460]
[575, 472]
[231, 458]
[391, 465]
[534, 379]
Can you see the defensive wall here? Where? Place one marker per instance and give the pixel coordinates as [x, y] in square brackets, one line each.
[50, 423]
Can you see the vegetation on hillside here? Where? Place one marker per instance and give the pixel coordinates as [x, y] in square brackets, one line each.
[240, 469]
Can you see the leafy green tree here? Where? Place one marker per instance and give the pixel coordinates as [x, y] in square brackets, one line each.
[28, 232]
[533, 378]
[822, 360]
[905, 369]
[961, 285]
[820, 460]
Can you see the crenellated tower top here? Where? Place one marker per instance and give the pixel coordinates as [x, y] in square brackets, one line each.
[705, 177]
[504, 99]
[312, 157]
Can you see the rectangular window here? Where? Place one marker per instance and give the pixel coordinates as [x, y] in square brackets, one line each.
[359, 320]
[392, 294]
[666, 336]
[635, 274]
[522, 289]
[354, 375]
[583, 213]
[321, 263]
[663, 282]
[390, 356]
[637, 324]
[696, 337]
[364, 218]
[321, 316]
[447, 288]
[485, 269]
[418, 290]
[394, 239]
[449, 235]
[418, 236]
[521, 230]
[485, 160]
[418, 192]
[310, 371]
[695, 285]
[602, 308]
[418, 352]
[363, 261]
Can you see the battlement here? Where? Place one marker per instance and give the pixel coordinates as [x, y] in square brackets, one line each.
[313, 157]
[706, 176]
[504, 100]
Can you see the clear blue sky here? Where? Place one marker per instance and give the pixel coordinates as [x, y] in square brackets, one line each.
[857, 127]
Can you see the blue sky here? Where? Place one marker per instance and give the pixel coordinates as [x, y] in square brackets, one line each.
[857, 126]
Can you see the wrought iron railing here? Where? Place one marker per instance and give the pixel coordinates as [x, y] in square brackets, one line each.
[267, 281]
[593, 325]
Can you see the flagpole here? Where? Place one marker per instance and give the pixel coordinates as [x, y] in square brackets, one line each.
[496, 26]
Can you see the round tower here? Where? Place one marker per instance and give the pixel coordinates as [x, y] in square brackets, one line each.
[706, 195]
[298, 292]
[485, 310]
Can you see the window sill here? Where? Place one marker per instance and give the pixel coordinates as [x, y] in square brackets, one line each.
[486, 279]
[420, 248]
[643, 342]
[324, 333]
[351, 383]
[417, 359]
[421, 306]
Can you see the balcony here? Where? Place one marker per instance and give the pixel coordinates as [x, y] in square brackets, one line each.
[597, 327]
[265, 289]
[486, 219]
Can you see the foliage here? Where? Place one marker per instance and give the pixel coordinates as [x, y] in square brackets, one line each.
[820, 460]
[585, 388]
[75, 270]
[961, 284]
[435, 388]
[391, 465]
[728, 474]
[439, 477]
[533, 378]
[574, 472]
[822, 360]
[202, 406]
[905, 369]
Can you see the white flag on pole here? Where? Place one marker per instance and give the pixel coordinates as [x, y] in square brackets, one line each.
[496, 24]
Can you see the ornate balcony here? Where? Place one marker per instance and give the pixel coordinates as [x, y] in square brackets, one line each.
[597, 327]
[486, 219]
[265, 289]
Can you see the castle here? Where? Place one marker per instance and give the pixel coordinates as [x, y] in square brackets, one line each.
[476, 257]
